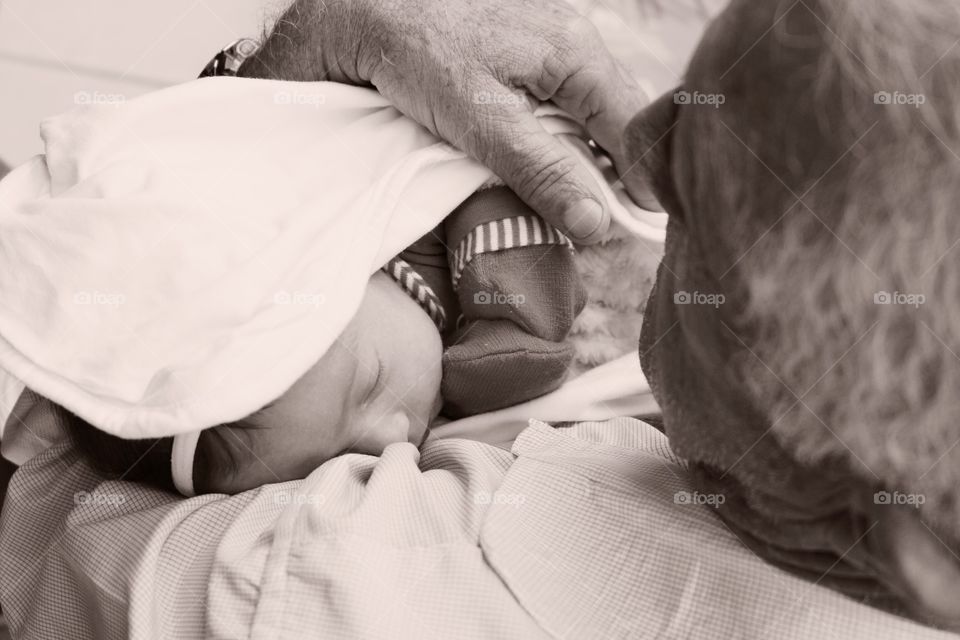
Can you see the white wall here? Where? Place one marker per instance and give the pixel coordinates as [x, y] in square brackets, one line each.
[51, 50]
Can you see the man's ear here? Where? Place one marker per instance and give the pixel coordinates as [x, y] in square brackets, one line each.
[919, 562]
[647, 147]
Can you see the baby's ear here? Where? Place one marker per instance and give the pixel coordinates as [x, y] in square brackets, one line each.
[647, 149]
[918, 561]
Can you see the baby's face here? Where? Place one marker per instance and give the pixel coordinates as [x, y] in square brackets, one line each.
[379, 383]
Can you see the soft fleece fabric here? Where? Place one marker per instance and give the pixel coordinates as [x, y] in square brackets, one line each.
[179, 260]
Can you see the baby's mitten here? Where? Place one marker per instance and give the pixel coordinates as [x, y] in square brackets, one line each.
[495, 364]
[507, 263]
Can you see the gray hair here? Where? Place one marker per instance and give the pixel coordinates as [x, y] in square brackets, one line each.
[854, 296]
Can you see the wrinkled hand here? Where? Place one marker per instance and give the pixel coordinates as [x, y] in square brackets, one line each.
[465, 70]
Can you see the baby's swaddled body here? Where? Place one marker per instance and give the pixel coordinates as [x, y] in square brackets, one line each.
[471, 318]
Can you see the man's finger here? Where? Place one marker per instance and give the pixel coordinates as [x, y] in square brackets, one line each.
[543, 173]
[605, 97]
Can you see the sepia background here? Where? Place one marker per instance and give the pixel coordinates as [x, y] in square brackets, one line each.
[53, 50]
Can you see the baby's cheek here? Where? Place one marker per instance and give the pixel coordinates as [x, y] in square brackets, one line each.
[432, 360]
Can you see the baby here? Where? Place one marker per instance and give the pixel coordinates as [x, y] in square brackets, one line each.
[470, 318]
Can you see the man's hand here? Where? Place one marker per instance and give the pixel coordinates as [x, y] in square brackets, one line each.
[466, 69]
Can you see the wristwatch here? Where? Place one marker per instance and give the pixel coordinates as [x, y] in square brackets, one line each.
[228, 61]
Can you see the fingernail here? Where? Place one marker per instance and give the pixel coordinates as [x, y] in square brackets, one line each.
[582, 219]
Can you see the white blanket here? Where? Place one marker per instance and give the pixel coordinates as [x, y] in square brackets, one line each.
[178, 261]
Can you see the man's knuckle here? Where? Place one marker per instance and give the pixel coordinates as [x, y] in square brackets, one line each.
[541, 177]
[579, 30]
[559, 66]
[552, 76]
[570, 48]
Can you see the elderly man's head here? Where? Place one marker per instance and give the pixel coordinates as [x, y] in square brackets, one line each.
[804, 337]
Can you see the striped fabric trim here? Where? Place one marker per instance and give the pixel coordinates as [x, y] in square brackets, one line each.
[506, 233]
[418, 289]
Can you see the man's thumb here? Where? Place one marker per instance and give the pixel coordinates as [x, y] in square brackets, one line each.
[545, 175]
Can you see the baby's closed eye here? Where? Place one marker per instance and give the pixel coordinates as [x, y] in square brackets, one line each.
[376, 385]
